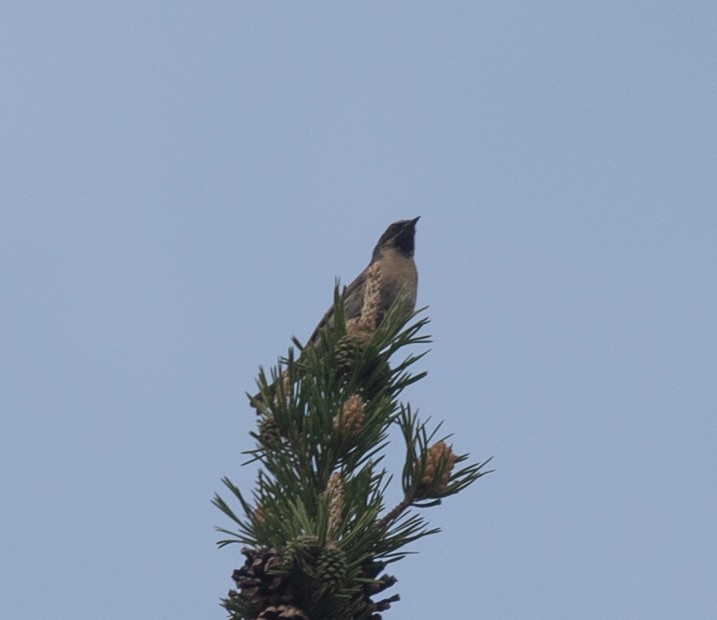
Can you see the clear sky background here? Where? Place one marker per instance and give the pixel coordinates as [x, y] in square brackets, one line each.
[180, 184]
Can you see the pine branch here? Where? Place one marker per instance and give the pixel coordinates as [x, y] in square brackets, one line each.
[316, 534]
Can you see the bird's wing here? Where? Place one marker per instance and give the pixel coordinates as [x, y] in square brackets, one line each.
[353, 301]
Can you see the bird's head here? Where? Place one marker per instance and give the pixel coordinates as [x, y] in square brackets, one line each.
[399, 236]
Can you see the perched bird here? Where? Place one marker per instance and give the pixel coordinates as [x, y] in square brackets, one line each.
[392, 259]
[393, 267]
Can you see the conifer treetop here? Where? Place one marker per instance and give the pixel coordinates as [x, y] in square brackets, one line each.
[315, 530]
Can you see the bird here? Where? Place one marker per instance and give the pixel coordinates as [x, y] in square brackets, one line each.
[393, 255]
[392, 261]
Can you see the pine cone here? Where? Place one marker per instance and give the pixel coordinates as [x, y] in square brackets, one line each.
[303, 551]
[258, 584]
[269, 434]
[439, 457]
[350, 421]
[358, 364]
[348, 353]
[331, 567]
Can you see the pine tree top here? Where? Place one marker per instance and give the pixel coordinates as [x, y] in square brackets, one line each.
[317, 534]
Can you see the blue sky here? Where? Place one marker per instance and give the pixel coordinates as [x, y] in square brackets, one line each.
[182, 182]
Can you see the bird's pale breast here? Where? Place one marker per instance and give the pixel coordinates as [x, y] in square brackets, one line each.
[398, 277]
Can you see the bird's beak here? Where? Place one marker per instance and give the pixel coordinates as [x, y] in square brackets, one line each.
[413, 222]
